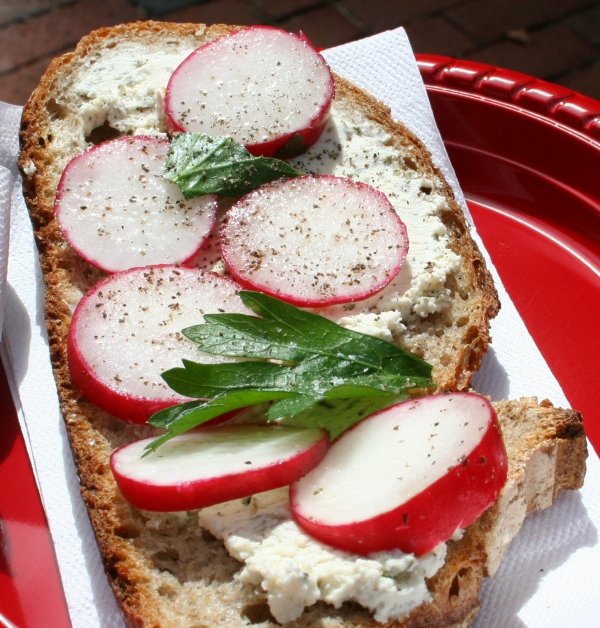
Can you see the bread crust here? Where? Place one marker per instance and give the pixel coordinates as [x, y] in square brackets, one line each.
[164, 567]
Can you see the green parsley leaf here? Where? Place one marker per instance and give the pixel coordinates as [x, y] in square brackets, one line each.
[340, 414]
[315, 372]
[200, 164]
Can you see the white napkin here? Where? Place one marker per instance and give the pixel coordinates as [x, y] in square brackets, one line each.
[546, 578]
[6, 186]
[8, 172]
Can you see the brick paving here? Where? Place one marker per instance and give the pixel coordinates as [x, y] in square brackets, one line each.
[558, 40]
[552, 51]
[324, 25]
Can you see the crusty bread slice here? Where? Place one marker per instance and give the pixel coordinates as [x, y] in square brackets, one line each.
[166, 571]
[163, 568]
[58, 118]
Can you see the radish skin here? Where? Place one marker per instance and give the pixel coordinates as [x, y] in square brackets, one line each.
[214, 465]
[117, 211]
[378, 488]
[274, 85]
[314, 240]
[127, 330]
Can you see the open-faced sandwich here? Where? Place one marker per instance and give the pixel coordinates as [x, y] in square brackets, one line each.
[265, 310]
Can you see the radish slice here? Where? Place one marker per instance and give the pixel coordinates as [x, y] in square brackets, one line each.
[268, 89]
[118, 212]
[405, 478]
[127, 330]
[314, 240]
[215, 465]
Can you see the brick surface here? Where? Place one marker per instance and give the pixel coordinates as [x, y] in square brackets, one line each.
[25, 42]
[587, 24]
[380, 15]
[325, 27]
[20, 9]
[585, 81]
[489, 19]
[278, 9]
[550, 52]
[157, 8]
[17, 88]
[554, 39]
[217, 12]
[437, 35]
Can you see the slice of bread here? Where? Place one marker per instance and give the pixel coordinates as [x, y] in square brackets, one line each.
[167, 571]
[164, 569]
[103, 89]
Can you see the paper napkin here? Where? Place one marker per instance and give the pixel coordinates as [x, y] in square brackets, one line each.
[546, 578]
[8, 172]
[6, 186]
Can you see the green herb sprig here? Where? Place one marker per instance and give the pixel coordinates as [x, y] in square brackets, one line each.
[201, 164]
[313, 371]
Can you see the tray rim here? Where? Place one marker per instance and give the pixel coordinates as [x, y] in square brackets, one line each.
[573, 111]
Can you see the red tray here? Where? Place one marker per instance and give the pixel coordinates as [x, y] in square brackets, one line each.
[526, 155]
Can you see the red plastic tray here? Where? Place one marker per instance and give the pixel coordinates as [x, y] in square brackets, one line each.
[526, 154]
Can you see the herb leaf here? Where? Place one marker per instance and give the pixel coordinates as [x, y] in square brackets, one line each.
[181, 418]
[304, 363]
[340, 414]
[201, 164]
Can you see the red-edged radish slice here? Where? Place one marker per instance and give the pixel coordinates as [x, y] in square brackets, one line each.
[314, 240]
[268, 89]
[214, 465]
[127, 330]
[405, 478]
[118, 212]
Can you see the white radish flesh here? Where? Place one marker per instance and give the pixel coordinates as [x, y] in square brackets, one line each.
[127, 330]
[314, 240]
[214, 465]
[405, 478]
[268, 89]
[117, 210]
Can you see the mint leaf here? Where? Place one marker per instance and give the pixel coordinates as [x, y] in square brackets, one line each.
[201, 164]
[304, 363]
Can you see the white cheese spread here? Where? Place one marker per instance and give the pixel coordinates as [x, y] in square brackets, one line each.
[29, 168]
[124, 89]
[295, 571]
[353, 146]
[125, 85]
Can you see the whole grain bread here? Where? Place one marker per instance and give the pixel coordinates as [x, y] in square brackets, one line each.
[164, 569]
[56, 127]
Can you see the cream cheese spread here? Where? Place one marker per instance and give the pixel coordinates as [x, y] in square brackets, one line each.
[353, 146]
[124, 86]
[295, 571]
[124, 89]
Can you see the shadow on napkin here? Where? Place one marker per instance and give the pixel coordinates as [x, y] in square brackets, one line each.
[103, 603]
[540, 547]
[20, 326]
[492, 378]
